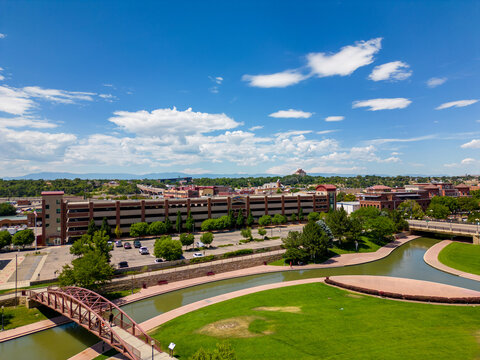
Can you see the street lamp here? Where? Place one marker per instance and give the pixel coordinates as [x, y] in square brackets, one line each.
[2, 317]
[477, 224]
[152, 342]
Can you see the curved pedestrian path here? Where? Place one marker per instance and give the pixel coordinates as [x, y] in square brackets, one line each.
[431, 258]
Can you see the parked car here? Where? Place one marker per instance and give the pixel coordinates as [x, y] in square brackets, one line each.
[127, 245]
[118, 243]
[123, 264]
[158, 260]
[143, 250]
[137, 244]
[197, 255]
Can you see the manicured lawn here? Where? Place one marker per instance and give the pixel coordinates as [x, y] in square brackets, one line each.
[19, 316]
[106, 355]
[315, 321]
[461, 256]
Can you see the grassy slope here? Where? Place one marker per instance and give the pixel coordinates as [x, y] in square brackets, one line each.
[461, 256]
[366, 328]
[19, 316]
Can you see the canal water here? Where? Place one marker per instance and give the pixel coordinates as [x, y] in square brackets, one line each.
[67, 340]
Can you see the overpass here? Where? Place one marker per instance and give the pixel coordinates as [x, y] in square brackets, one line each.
[449, 228]
[92, 311]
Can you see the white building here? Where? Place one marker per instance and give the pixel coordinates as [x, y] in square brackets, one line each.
[349, 206]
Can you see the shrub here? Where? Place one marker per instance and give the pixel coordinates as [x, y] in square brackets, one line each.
[237, 253]
[187, 239]
[279, 219]
[206, 238]
[139, 229]
[202, 259]
[265, 220]
[157, 228]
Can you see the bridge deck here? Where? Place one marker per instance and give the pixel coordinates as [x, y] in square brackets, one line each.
[145, 349]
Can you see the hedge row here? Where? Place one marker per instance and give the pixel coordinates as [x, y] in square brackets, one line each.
[237, 253]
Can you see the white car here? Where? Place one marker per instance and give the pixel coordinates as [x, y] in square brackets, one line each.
[197, 255]
[143, 250]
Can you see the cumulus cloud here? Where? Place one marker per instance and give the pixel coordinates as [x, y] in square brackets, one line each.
[171, 121]
[474, 144]
[458, 103]
[346, 61]
[400, 140]
[257, 127]
[25, 121]
[434, 82]
[291, 113]
[108, 97]
[334, 118]
[382, 104]
[395, 70]
[467, 162]
[1, 76]
[280, 80]
[14, 101]
[2, 36]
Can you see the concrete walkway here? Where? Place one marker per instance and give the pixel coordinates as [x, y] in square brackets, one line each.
[431, 258]
[405, 286]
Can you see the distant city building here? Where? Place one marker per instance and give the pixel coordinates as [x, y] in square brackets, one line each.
[300, 172]
[348, 206]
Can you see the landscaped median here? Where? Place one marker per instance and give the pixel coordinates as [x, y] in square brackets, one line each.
[461, 256]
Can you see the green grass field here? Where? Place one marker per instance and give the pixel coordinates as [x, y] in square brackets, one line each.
[315, 321]
[19, 316]
[461, 256]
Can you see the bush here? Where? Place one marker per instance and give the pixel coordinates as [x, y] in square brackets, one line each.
[202, 259]
[168, 249]
[279, 219]
[139, 229]
[157, 228]
[237, 253]
[313, 216]
[5, 238]
[206, 238]
[187, 239]
[208, 225]
[247, 233]
[23, 238]
[265, 220]
[7, 209]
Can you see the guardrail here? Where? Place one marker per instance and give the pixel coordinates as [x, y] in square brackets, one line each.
[470, 229]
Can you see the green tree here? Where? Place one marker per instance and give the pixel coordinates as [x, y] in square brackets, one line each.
[293, 218]
[438, 211]
[279, 219]
[365, 214]
[7, 209]
[467, 203]
[350, 197]
[187, 239]
[265, 220]
[23, 238]
[294, 248]
[314, 241]
[250, 220]
[5, 239]
[339, 223]
[96, 242]
[313, 216]
[157, 228]
[231, 219]
[118, 232]
[474, 217]
[448, 201]
[138, 229]
[397, 217]
[208, 225]
[223, 351]
[168, 225]
[240, 219]
[411, 209]
[178, 223]
[168, 249]
[88, 271]
[91, 227]
[247, 233]
[105, 227]
[206, 238]
[381, 228]
[189, 223]
[300, 214]
[262, 232]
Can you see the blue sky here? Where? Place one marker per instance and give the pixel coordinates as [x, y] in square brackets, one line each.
[240, 87]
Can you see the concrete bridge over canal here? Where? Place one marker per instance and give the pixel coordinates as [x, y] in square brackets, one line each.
[92, 311]
[449, 228]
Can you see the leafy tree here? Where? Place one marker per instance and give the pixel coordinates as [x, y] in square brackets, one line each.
[105, 227]
[96, 242]
[448, 201]
[206, 238]
[381, 228]
[189, 223]
[313, 216]
[223, 351]
[89, 271]
[326, 230]
[168, 249]
[397, 218]
[240, 219]
[118, 232]
[437, 210]
[294, 248]
[7, 209]
[138, 229]
[265, 220]
[5, 238]
[300, 214]
[23, 238]
[250, 220]
[168, 225]
[474, 217]
[178, 223]
[262, 232]
[187, 239]
[411, 209]
[279, 219]
[365, 213]
[293, 218]
[314, 241]
[338, 222]
[231, 219]
[350, 197]
[341, 196]
[91, 227]
[247, 233]
[208, 225]
[157, 228]
[467, 204]
[475, 194]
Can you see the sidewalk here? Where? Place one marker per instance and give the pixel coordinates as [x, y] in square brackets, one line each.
[431, 258]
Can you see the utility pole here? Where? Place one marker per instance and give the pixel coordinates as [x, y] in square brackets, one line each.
[16, 272]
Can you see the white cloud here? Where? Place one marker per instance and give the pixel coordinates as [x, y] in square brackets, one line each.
[108, 97]
[382, 104]
[257, 127]
[467, 162]
[281, 79]
[171, 122]
[216, 79]
[291, 113]
[392, 140]
[334, 118]
[25, 121]
[14, 101]
[325, 132]
[2, 36]
[54, 95]
[458, 103]
[346, 61]
[395, 70]
[474, 144]
[1, 76]
[434, 82]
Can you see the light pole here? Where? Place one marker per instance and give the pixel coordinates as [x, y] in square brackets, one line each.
[477, 224]
[2, 317]
[153, 343]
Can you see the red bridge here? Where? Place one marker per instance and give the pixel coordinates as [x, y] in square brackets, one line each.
[93, 312]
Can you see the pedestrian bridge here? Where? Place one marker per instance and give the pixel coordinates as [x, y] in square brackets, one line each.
[102, 318]
[450, 228]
